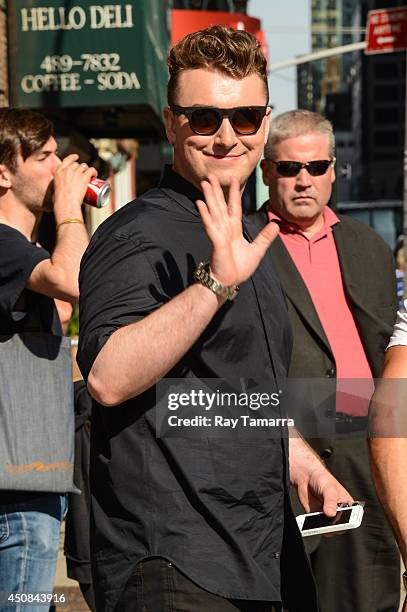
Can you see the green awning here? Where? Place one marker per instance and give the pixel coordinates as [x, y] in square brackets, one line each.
[78, 54]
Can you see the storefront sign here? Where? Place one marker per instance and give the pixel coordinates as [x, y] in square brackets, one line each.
[88, 54]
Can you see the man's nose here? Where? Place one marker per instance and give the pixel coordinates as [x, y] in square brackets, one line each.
[56, 162]
[303, 178]
[226, 135]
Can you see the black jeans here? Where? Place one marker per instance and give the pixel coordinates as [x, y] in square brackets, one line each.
[157, 586]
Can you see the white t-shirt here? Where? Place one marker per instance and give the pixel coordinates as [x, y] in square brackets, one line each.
[399, 336]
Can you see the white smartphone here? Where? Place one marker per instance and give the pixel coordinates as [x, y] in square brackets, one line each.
[348, 516]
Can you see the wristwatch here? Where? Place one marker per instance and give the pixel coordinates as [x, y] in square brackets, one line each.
[405, 580]
[202, 275]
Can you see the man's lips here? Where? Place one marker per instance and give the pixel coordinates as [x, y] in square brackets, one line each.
[226, 157]
[303, 197]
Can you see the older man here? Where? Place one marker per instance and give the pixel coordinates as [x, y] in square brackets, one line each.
[339, 279]
[194, 523]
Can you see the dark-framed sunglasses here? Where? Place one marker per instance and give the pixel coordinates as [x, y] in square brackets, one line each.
[317, 167]
[206, 120]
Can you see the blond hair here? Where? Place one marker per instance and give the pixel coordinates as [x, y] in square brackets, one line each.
[297, 123]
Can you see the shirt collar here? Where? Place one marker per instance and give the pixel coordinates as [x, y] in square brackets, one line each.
[184, 192]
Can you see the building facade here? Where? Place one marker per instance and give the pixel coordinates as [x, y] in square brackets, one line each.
[331, 26]
[363, 95]
[3, 55]
[378, 118]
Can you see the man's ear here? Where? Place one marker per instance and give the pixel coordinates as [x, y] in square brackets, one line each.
[265, 169]
[5, 177]
[268, 119]
[169, 120]
[333, 173]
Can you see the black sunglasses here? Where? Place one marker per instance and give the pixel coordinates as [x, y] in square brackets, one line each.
[206, 120]
[317, 167]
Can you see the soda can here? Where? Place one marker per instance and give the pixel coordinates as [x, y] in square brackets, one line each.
[97, 193]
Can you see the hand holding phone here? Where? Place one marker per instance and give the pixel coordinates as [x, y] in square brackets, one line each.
[348, 516]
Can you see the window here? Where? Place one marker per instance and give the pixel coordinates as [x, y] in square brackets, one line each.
[386, 70]
[388, 115]
[388, 139]
[388, 93]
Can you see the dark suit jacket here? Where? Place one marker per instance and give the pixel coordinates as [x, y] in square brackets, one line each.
[369, 278]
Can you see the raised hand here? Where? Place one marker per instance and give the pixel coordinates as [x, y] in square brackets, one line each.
[70, 182]
[233, 258]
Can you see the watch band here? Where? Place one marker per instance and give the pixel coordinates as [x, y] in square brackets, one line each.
[202, 275]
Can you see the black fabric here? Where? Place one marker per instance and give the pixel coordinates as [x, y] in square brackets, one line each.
[213, 507]
[158, 586]
[20, 309]
[358, 571]
[76, 544]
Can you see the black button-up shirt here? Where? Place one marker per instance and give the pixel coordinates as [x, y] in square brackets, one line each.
[216, 508]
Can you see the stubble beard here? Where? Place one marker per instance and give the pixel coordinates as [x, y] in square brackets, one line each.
[33, 198]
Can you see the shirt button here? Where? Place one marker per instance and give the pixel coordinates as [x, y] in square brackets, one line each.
[276, 555]
[326, 453]
[331, 372]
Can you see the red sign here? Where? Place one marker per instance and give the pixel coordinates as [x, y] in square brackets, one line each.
[387, 30]
[184, 22]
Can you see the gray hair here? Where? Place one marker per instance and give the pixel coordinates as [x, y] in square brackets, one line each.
[297, 123]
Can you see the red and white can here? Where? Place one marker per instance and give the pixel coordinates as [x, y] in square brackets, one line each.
[97, 193]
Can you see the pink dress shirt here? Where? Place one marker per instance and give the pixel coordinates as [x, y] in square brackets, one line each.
[317, 261]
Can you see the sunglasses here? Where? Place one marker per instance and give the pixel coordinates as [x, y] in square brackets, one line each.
[206, 120]
[317, 167]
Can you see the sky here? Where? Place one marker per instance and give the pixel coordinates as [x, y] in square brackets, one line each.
[286, 24]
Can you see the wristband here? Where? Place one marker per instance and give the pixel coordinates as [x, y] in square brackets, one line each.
[74, 220]
[202, 275]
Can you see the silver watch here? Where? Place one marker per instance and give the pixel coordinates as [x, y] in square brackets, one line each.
[202, 275]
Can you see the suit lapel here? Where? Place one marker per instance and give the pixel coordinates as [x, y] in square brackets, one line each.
[349, 261]
[353, 275]
[291, 280]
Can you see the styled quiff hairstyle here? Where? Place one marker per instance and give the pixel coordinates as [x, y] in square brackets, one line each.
[21, 132]
[235, 53]
[297, 123]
